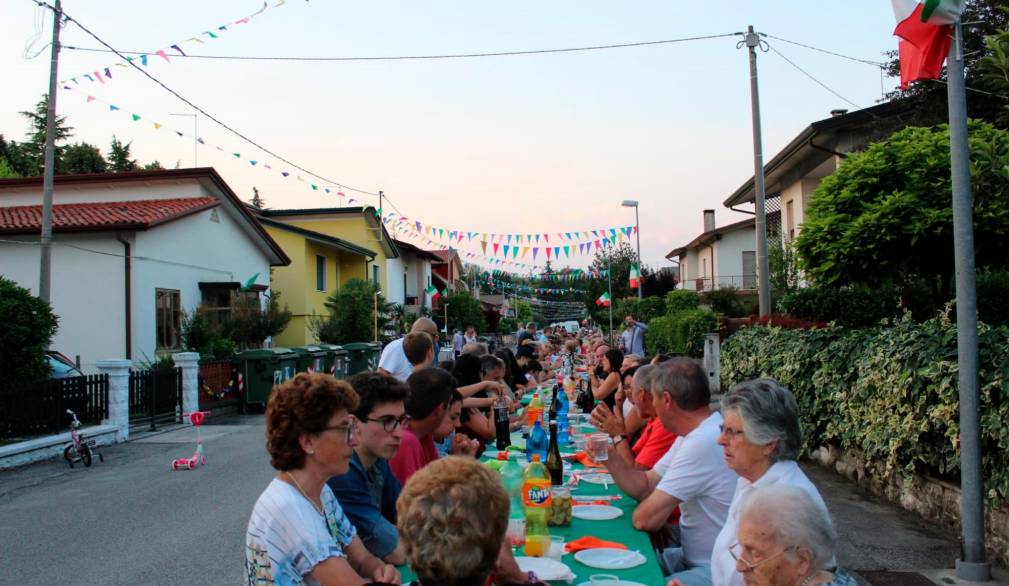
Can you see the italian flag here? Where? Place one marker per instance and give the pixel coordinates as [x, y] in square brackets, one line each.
[925, 30]
[635, 276]
[433, 292]
[604, 300]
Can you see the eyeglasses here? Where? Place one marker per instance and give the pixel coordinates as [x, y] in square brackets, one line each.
[730, 433]
[348, 430]
[736, 551]
[390, 423]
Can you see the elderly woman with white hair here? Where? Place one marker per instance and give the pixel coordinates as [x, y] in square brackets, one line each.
[761, 440]
[785, 538]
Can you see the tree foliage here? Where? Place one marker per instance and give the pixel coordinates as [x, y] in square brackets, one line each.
[119, 157]
[993, 68]
[34, 148]
[28, 327]
[83, 158]
[352, 314]
[884, 218]
[464, 311]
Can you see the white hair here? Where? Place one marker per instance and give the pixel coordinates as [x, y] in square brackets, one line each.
[795, 520]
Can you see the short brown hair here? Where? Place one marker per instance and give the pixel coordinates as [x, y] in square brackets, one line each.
[302, 405]
[416, 346]
[452, 519]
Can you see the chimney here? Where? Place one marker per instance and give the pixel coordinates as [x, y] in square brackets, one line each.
[709, 220]
[838, 112]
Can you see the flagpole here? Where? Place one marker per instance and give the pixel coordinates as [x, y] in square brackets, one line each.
[973, 566]
[609, 284]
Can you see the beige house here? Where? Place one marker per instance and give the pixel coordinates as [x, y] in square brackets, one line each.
[718, 257]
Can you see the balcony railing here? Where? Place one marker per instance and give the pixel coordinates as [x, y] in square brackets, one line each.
[742, 282]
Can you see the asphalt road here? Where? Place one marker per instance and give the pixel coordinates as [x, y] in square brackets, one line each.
[131, 520]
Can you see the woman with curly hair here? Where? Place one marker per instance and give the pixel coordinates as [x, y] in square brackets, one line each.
[298, 534]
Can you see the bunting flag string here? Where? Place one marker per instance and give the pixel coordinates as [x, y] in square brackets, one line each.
[104, 74]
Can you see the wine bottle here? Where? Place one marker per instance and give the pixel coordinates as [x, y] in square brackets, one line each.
[554, 463]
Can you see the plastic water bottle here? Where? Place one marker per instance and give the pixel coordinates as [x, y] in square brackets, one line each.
[512, 478]
[563, 427]
[536, 499]
[538, 442]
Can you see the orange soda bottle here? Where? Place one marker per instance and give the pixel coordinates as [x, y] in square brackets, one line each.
[536, 498]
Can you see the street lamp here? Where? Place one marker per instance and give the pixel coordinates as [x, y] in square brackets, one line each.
[632, 203]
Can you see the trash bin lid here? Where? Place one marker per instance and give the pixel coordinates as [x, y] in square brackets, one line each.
[358, 346]
[265, 353]
[308, 349]
[332, 348]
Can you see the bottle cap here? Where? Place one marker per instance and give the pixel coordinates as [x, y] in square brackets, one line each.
[536, 458]
[502, 456]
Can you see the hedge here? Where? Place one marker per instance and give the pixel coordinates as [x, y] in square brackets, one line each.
[889, 392]
[845, 306]
[680, 333]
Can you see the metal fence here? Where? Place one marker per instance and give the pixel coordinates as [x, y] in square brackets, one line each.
[40, 407]
[217, 384]
[156, 396]
[741, 282]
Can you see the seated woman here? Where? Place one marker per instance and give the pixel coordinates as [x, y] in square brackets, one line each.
[298, 534]
[604, 388]
[785, 538]
[437, 513]
[761, 439]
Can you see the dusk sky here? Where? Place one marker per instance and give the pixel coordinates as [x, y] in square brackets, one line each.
[517, 144]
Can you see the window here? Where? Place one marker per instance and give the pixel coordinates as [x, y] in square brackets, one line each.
[320, 272]
[789, 220]
[749, 269]
[404, 284]
[374, 274]
[168, 309]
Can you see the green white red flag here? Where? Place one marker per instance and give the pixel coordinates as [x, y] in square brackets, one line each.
[635, 276]
[925, 30]
[604, 300]
[433, 292]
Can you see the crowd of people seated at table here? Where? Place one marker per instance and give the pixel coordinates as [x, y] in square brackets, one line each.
[362, 487]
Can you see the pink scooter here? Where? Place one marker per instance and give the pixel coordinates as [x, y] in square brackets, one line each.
[196, 418]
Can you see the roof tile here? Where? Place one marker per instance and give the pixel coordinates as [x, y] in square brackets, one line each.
[102, 215]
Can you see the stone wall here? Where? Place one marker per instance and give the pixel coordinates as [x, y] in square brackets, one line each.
[934, 500]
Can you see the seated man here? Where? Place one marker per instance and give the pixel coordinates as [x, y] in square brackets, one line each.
[419, 350]
[393, 360]
[654, 441]
[368, 491]
[692, 475]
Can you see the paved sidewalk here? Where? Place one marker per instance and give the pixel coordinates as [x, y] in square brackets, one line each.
[884, 544]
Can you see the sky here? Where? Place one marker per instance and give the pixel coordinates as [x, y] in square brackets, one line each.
[510, 144]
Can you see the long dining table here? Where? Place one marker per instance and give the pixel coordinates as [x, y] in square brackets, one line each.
[619, 530]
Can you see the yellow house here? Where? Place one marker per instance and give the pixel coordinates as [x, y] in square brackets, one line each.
[328, 247]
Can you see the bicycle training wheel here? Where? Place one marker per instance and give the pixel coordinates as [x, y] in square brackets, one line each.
[68, 455]
[86, 455]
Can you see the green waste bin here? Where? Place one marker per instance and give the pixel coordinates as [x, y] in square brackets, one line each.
[363, 356]
[311, 358]
[336, 360]
[260, 369]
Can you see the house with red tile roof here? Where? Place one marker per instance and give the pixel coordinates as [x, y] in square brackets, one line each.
[133, 251]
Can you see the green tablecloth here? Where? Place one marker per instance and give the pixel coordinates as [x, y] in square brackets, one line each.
[619, 530]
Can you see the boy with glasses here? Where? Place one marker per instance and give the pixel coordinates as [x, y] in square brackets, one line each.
[368, 491]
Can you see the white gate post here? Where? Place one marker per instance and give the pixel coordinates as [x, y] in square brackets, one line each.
[118, 370]
[189, 362]
[712, 362]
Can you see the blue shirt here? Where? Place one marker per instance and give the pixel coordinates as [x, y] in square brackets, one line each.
[368, 498]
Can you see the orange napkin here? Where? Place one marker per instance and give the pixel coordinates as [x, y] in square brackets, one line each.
[584, 459]
[597, 502]
[590, 542]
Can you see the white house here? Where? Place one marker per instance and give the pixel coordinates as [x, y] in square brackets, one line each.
[131, 252]
[718, 257]
[409, 276]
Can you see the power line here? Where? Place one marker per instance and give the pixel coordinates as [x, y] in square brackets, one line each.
[130, 62]
[419, 57]
[856, 59]
[810, 76]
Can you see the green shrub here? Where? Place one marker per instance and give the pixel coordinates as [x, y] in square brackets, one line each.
[682, 333]
[993, 297]
[28, 327]
[845, 306]
[351, 314]
[724, 300]
[681, 299]
[888, 392]
[643, 310]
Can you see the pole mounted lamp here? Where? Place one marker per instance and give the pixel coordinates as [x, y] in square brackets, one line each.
[633, 203]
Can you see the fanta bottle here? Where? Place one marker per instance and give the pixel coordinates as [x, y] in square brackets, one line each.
[535, 410]
[536, 499]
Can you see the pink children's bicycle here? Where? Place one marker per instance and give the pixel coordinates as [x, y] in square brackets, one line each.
[80, 449]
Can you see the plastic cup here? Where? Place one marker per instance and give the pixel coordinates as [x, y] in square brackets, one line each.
[556, 547]
[599, 444]
[604, 580]
[516, 533]
[537, 546]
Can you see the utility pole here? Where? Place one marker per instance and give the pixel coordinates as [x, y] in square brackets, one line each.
[973, 566]
[752, 41]
[609, 285]
[45, 263]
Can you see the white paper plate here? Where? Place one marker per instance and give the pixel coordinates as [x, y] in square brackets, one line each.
[598, 479]
[608, 558]
[620, 583]
[595, 512]
[545, 568]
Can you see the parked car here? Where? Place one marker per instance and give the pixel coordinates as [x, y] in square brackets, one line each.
[61, 366]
